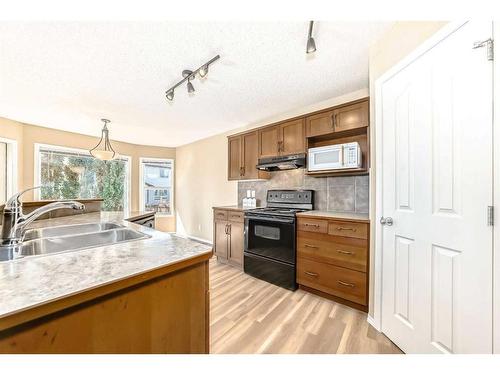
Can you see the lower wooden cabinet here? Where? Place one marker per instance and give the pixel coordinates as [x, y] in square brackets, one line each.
[229, 236]
[332, 259]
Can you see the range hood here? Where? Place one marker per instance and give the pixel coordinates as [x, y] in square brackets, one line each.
[281, 163]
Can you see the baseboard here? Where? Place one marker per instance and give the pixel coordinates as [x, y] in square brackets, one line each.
[371, 321]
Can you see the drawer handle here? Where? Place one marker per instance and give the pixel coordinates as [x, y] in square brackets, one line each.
[236, 216]
[343, 283]
[311, 246]
[311, 225]
[343, 228]
[313, 274]
[345, 252]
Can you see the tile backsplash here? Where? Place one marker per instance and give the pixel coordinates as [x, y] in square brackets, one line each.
[345, 194]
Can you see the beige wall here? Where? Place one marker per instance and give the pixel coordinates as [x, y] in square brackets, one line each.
[201, 177]
[393, 46]
[27, 135]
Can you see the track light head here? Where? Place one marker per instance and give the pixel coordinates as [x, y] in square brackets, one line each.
[203, 71]
[190, 87]
[170, 95]
[311, 45]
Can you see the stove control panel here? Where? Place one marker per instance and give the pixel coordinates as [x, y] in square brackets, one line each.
[290, 196]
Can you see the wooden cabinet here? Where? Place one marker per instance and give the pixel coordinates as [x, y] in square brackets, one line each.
[235, 162]
[319, 124]
[284, 139]
[243, 157]
[269, 142]
[332, 258]
[339, 119]
[340, 124]
[228, 236]
[164, 310]
[351, 117]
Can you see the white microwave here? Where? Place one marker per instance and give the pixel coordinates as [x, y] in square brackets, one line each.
[341, 156]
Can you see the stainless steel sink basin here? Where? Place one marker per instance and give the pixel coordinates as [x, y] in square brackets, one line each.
[51, 245]
[67, 230]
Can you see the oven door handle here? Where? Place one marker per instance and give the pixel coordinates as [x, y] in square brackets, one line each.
[271, 220]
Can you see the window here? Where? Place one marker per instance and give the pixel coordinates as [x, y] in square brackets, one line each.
[156, 185]
[8, 168]
[68, 173]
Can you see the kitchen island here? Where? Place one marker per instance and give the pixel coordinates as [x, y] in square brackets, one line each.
[143, 296]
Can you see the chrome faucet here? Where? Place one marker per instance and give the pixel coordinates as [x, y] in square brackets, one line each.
[14, 223]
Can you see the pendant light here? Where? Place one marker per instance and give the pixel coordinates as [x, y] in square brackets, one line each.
[103, 149]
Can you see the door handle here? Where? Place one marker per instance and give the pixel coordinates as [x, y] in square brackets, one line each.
[386, 221]
[229, 229]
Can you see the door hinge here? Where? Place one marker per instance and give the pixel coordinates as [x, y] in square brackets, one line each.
[491, 216]
[488, 43]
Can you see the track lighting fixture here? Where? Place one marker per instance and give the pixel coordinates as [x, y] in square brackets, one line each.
[311, 45]
[189, 75]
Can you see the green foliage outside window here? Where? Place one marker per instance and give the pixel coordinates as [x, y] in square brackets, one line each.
[71, 176]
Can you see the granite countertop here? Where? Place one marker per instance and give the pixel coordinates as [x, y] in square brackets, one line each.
[33, 281]
[351, 216]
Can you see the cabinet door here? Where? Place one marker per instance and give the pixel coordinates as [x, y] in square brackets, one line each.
[351, 117]
[221, 238]
[319, 124]
[236, 243]
[234, 158]
[250, 155]
[268, 142]
[292, 137]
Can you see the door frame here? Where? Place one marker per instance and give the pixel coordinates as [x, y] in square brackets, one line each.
[496, 192]
[376, 319]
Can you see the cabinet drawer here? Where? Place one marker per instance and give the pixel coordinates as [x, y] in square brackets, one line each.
[313, 225]
[220, 214]
[236, 216]
[340, 251]
[338, 281]
[348, 229]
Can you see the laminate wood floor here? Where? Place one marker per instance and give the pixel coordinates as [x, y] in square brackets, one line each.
[248, 315]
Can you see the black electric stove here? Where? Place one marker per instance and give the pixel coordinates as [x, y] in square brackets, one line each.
[270, 232]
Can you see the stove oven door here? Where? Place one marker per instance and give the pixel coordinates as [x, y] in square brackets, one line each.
[271, 237]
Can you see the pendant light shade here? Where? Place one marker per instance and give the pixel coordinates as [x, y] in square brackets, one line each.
[190, 87]
[103, 149]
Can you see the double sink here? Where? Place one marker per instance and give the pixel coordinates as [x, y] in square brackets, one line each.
[59, 239]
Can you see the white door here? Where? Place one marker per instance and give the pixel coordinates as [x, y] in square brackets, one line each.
[437, 184]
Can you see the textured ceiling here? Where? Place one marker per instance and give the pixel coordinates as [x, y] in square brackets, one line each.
[68, 75]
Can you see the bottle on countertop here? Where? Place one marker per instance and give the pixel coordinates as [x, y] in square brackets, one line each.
[253, 200]
[246, 200]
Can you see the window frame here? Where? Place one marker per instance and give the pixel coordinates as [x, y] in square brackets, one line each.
[144, 159]
[38, 165]
[12, 182]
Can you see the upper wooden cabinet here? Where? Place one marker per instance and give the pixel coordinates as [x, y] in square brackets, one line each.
[351, 117]
[243, 157]
[269, 141]
[283, 139]
[293, 139]
[339, 119]
[319, 124]
[234, 161]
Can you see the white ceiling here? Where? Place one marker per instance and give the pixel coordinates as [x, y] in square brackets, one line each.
[68, 75]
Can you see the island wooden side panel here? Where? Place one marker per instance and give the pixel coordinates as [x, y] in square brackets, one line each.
[168, 314]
